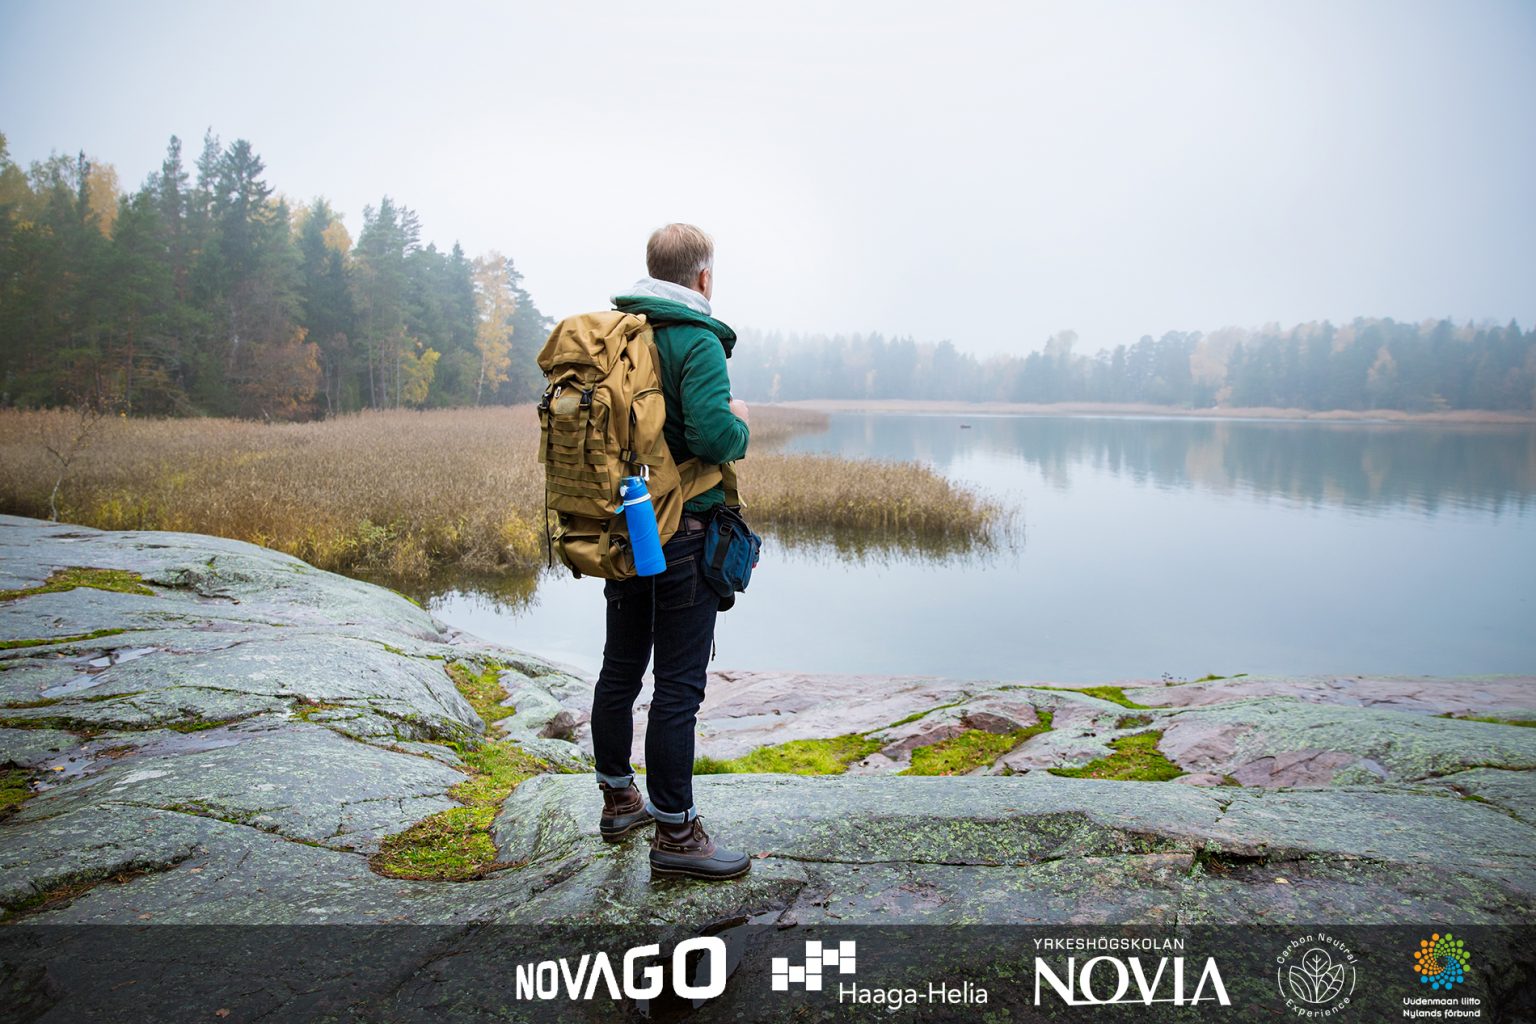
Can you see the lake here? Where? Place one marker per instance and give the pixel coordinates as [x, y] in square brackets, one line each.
[1141, 547]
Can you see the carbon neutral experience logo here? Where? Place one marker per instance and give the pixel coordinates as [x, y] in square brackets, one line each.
[1316, 975]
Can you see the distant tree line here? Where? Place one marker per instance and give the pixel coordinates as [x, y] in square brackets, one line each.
[205, 292]
[1365, 364]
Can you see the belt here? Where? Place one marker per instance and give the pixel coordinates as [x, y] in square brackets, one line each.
[690, 524]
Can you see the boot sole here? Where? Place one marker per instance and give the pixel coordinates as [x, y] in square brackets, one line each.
[706, 875]
[615, 836]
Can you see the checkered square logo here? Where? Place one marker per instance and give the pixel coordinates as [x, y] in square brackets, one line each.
[818, 957]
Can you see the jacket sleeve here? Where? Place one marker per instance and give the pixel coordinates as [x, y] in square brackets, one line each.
[713, 432]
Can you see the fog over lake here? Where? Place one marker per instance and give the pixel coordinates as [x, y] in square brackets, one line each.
[1142, 547]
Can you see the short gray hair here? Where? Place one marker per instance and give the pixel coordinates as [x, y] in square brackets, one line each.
[679, 253]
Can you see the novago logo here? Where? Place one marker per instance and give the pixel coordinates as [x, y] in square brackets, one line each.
[589, 976]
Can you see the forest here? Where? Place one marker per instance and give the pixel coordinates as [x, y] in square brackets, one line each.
[205, 292]
[1365, 364]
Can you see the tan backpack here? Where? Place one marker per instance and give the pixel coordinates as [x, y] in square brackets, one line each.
[600, 420]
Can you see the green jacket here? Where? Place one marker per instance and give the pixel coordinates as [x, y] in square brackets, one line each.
[694, 381]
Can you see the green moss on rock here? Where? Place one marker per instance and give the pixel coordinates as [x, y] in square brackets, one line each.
[1113, 694]
[1135, 759]
[496, 768]
[45, 641]
[1524, 722]
[456, 845]
[308, 709]
[117, 580]
[89, 728]
[195, 724]
[482, 689]
[15, 788]
[450, 846]
[972, 749]
[797, 757]
[914, 716]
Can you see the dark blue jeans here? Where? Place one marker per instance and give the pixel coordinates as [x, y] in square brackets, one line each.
[672, 616]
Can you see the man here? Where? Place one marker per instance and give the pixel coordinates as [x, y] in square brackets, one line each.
[671, 615]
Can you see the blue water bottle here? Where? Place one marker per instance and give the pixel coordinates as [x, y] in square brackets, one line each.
[640, 516]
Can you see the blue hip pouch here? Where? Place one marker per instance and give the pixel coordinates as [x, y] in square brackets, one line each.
[730, 554]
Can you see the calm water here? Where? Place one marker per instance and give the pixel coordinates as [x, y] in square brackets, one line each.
[1143, 547]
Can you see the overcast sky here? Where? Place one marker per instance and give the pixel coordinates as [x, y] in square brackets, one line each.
[988, 173]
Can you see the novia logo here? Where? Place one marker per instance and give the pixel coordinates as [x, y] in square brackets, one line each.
[817, 956]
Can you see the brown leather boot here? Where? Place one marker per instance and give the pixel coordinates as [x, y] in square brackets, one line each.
[623, 812]
[686, 849]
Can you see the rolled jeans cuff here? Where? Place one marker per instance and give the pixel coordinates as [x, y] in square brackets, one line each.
[671, 817]
[616, 781]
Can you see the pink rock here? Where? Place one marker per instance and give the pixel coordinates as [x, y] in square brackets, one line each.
[1298, 768]
[902, 740]
[1194, 745]
[1503, 696]
[1200, 779]
[565, 724]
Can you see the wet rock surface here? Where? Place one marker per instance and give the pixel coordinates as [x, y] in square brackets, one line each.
[1040, 848]
[235, 749]
[232, 746]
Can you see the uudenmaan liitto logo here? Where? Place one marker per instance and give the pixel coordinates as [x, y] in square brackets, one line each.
[1441, 961]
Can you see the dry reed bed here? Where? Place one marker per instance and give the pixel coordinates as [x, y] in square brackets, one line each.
[404, 493]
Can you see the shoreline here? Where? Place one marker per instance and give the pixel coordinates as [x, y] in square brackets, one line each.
[1478, 417]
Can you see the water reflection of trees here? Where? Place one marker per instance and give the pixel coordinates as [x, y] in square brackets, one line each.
[511, 594]
[506, 593]
[885, 547]
[1354, 465]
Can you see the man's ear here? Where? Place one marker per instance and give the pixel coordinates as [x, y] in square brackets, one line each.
[706, 282]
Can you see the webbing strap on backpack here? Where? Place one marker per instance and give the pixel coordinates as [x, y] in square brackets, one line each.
[728, 482]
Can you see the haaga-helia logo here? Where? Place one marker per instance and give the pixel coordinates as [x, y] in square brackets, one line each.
[841, 956]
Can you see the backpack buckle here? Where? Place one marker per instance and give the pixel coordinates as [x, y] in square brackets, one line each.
[586, 398]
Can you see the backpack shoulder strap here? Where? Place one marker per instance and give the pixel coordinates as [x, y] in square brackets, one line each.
[697, 477]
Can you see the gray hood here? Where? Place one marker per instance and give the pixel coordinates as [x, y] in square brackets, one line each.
[667, 290]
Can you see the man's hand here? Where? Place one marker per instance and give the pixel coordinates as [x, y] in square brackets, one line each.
[740, 409]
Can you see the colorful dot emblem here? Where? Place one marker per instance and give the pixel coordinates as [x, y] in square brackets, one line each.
[1441, 961]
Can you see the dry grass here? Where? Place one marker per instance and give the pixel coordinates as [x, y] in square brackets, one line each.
[828, 492]
[404, 493]
[397, 492]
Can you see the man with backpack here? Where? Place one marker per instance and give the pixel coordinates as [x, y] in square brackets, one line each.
[671, 616]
